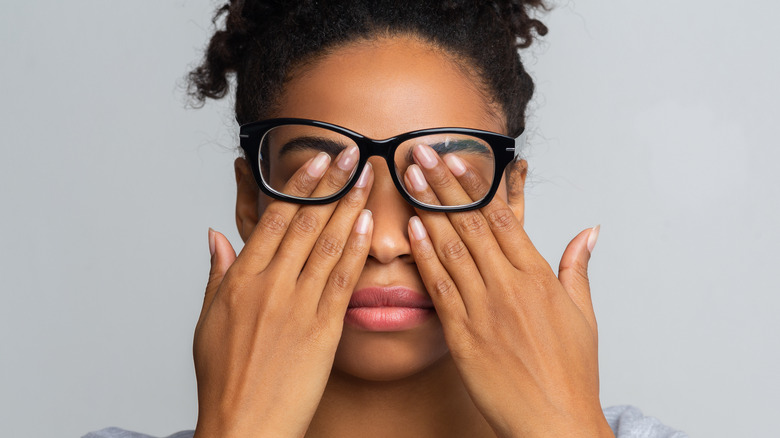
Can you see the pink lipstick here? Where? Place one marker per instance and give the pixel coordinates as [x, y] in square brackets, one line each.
[388, 309]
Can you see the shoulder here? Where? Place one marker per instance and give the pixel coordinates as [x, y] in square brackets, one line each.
[629, 422]
[115, 432]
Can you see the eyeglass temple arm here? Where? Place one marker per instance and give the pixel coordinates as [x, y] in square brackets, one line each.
[519, 145]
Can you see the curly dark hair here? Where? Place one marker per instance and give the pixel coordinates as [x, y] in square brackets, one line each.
[263, 42]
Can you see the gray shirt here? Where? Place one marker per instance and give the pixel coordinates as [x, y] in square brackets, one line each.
[626, 422]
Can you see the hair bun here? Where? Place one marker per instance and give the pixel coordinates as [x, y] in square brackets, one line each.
[517, 16]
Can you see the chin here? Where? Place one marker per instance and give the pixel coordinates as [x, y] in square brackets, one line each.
[386, 356]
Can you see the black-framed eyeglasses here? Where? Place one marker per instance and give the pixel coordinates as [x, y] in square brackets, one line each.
[277, 148]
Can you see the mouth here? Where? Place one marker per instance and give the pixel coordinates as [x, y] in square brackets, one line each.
[388, 309]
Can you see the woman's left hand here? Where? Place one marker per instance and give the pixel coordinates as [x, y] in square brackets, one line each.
[523, 339]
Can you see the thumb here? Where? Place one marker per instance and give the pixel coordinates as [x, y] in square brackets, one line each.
[222, 257]
[573, 272]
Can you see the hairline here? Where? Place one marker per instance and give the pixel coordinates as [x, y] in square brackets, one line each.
[464, 66]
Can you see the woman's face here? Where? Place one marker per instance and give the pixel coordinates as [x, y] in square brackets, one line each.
[380, 89]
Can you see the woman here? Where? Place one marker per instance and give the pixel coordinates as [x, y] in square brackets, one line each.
[387, 288]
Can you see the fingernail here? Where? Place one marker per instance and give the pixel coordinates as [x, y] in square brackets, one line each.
[455, 164]
[425, 156]
[212, 242]
[363, 180]
[348, 158]
[593, 237]
[418, 229]
[363, 224]
[416, 177]
[317, 167]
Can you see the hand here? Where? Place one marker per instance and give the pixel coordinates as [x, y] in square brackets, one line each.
[272, 317]
[523, 340]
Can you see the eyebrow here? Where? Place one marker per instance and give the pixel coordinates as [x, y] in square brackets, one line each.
[332, 147]
[468, 146]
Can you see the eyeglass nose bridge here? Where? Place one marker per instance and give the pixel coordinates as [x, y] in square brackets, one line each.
[381, 148]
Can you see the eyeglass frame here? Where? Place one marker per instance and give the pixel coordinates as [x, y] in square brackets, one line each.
[505, 150]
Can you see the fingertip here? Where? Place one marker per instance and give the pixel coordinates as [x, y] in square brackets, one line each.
[577, 251]
[223, 254]
[365, 222]
[593, 237]
[417, 228]
[212, 242]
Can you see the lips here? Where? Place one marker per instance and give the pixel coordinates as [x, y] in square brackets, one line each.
[389, 297]
[388, 309]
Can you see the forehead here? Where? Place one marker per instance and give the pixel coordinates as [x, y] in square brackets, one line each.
[386, 87]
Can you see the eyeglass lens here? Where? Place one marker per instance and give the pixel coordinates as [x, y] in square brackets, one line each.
[285, 149]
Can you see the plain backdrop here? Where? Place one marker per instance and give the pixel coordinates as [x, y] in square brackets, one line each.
[658, 120]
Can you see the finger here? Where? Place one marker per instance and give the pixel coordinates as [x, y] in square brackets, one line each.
[444, 292]
[339, 173]
[264, 241]
[506, 230]
[344, 275]
[453, 230]
[418, 187]
[573, 272]
[505, 221]
[451, 251]
[444, 184]
[222, 257]
[310, 220]
[330, 245]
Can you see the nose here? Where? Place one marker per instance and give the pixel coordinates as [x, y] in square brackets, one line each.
[391, 213]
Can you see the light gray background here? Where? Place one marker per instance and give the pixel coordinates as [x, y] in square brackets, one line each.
[658, 120]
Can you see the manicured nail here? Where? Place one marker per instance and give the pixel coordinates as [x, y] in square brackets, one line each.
[418, 229]
[363, 180]
[212, 241]
[416, 177]
[425, 156]
[593, 237]
[318, 166]
[363, 224]
[455, 164]
[347, 158]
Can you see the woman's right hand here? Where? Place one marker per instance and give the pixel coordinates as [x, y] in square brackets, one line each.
[272, 317]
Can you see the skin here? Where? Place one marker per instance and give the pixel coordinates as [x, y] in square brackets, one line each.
[513, 348]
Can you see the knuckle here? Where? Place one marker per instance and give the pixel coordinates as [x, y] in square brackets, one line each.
[578, 271]
[454, 249]
[306, 222]
[273, 222]
[444, 288]
[230, 292]
[340, 279]
[352, 201]
[502, 219]
[301, 185]
[333, 182]
[330, 246]
[439, 178]
[471, 223]
[472, 183]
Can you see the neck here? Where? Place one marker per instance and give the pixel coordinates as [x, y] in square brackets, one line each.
[431, 404]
